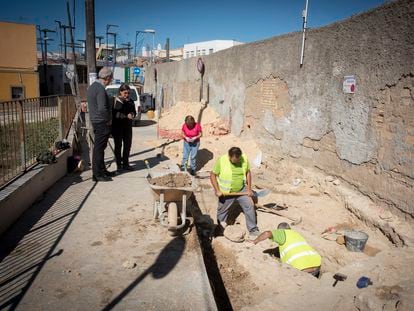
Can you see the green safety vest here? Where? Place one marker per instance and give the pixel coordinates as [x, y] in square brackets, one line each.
[225, 177]
[297, 252]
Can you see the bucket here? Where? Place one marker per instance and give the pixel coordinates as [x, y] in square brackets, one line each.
[355, 240]
[150, 114]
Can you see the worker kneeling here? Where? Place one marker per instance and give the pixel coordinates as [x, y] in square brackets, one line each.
[293, 249]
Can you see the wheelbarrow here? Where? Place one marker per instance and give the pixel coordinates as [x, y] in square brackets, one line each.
[168, 202]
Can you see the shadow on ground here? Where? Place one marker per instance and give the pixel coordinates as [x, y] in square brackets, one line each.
[33, 239]
[164, 264]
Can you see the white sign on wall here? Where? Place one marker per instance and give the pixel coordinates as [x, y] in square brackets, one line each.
[349, 84]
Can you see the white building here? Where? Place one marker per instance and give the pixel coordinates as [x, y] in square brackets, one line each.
[207, 47]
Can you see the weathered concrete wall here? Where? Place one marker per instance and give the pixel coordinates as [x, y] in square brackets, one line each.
[366, 138]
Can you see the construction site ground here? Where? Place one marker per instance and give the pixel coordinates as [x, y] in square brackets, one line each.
[254, 277]
[90, 246]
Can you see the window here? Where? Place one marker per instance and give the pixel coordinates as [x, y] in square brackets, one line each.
[192, 53]
[210, 51]
[187, 54]
[17, 92]
[203, 52]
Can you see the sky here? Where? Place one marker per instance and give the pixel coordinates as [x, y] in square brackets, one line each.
[185, 21]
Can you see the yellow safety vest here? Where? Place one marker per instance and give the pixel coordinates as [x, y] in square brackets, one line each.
[225, 177]
[297, 252]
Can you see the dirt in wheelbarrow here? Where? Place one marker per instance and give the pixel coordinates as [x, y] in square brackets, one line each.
[172, 180]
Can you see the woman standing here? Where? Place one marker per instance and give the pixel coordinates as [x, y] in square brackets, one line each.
[191, 133]
[123, 113]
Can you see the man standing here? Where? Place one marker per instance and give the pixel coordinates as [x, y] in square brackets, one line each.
[100, 114]
[231, 174]
[293, 249]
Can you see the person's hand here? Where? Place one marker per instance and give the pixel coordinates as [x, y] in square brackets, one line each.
[218, 193]
[187, 139]
[130, 116]
[250, 192]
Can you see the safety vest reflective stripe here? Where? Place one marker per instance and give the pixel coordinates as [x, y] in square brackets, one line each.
[225, 178]
[225, 185]
[293, 245]
[296, 256]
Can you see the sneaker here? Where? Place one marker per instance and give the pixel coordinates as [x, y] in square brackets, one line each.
[254, 234]
[192, 172]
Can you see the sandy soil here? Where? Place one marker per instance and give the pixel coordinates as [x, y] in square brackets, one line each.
[254, 277]
[172, 180]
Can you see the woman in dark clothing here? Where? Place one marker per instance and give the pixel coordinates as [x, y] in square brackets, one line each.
[123, 113]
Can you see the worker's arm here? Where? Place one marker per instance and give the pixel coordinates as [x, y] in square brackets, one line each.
[213, 179]
[265, 235]
[249, 183]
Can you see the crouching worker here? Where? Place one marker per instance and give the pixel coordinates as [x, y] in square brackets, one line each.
[232, 181]
[293, 249]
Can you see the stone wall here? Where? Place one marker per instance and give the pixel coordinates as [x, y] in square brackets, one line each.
[366, 138]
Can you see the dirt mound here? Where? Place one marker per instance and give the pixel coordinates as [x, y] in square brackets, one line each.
[172, 180]
[170, 122]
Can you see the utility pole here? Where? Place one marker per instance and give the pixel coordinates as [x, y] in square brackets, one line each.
[64, 39]
[41, 43]
[83, 46]
[106, 34]
[129, 48]
[114, 34]
[45, 39]
[167, 50]
[60, 35]
[99, 40]
[90, 43]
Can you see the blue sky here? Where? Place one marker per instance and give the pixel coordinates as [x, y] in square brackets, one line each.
[187, 21]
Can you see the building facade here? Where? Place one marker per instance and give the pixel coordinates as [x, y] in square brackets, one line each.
[19, 76]
[207, 47]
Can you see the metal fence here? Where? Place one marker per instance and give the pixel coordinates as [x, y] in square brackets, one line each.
[29, 127]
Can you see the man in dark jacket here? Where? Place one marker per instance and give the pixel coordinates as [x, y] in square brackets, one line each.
[100, 114]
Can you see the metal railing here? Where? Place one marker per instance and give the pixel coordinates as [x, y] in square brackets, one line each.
[29, 127]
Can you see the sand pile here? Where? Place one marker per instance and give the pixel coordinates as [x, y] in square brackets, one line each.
[172, 120]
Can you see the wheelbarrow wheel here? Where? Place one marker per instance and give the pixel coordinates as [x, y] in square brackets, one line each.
[155, 211]
[172, 215]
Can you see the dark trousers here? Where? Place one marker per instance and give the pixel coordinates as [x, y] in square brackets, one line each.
[122, 134]
[101, 132]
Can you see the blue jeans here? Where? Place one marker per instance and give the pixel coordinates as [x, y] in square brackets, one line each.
[190, 150]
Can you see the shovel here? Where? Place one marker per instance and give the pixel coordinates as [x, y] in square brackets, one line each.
[256, 193]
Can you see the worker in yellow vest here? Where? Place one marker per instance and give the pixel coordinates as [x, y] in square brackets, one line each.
[230, 175]
[293, 249]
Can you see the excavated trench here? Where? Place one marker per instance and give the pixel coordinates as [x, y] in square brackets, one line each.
[231, 283]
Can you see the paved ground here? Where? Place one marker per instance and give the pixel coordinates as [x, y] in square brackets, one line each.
[94, 246]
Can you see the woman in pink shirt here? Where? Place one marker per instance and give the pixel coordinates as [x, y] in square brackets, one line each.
[191, 133]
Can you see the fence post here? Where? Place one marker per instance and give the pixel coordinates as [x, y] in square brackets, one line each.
[22, 134]
[60, 114]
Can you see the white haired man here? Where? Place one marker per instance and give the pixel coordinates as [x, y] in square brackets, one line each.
[100, 114]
